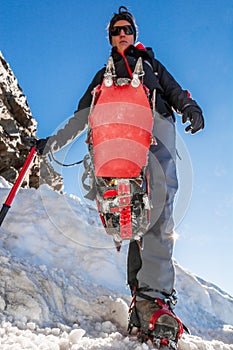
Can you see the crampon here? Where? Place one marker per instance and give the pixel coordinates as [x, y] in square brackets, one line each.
[154, 321]
[119, 137]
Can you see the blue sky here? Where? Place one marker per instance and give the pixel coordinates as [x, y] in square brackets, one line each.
[55, 48]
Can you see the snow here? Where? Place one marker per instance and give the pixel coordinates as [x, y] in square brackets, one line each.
[63, 284]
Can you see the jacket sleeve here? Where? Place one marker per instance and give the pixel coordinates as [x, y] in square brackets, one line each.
[79, 121]
[177, 98]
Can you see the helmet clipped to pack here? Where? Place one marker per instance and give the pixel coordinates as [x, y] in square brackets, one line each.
[123, 14]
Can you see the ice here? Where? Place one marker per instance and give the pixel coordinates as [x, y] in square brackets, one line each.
[62, 283]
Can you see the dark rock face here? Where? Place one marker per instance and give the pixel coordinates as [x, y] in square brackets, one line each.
[17, 134]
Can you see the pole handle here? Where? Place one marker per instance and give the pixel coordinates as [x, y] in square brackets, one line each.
[3, 212]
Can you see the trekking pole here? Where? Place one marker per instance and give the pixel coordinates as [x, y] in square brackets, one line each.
[6, 206]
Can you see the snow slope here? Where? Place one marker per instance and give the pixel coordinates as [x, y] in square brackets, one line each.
[62, 283]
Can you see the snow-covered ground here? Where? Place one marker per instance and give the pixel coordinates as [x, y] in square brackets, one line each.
[62, 283]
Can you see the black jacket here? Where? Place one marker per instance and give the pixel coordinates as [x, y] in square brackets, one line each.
[169, 93]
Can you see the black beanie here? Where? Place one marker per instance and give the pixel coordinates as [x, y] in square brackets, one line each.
[124, 14]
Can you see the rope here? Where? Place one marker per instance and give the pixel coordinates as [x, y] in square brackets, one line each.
[62, 164]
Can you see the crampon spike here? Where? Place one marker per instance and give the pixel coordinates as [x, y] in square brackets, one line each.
[140, 243]
[117, 245]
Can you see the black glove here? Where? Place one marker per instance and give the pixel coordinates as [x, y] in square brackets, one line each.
[43, 146]
[193, 115]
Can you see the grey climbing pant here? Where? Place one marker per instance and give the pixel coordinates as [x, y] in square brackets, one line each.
[152, 267]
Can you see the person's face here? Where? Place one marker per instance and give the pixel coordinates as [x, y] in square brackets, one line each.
[122, 41]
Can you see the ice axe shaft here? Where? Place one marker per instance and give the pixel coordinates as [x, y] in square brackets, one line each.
[6, 206]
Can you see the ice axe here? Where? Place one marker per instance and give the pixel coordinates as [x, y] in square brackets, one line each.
[6, 206]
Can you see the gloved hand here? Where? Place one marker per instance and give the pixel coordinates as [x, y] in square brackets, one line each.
[193, 115]
[44, 146]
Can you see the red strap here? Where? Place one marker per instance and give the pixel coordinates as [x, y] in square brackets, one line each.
[165, 310]
[110, 193]
[133, 301]
[127, 64]
[139, 46]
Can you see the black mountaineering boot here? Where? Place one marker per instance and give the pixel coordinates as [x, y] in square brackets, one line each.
[155, 321]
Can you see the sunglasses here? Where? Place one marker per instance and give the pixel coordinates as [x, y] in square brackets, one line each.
[128, 30]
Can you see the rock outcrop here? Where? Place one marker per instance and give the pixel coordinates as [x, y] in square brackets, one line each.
[17, 134]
